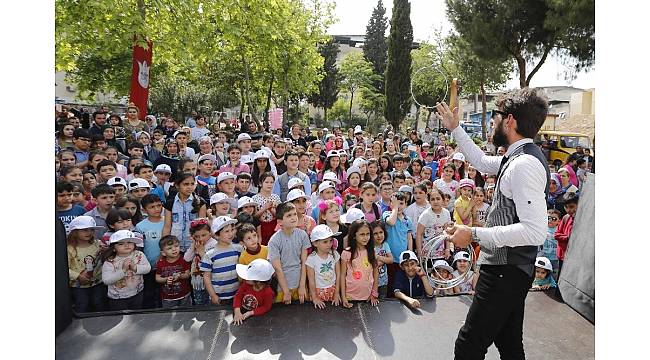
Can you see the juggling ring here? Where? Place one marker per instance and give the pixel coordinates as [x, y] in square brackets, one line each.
[446, 86]
[430, 256]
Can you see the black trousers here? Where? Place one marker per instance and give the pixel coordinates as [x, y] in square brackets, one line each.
[496, 314]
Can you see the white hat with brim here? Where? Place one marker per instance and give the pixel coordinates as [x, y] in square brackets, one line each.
[458, 156]
[407, 255]
[544, 263]
[126, 236]
[295, 182]
[333, 153]
[257, 270]
[218, 197]
[442, 264]
[331, 176]
[320, 232]
[359, 161]
[83, 222]
[461, 255]
[296, 194]
[207, 157]
[324, 186]
[243, 201]
[116, 180]
[261, 154]
[243, 136]
[225, 176]
[163, 168]
[353, 169]
[352, 215]
[139, 183]
[220, 222]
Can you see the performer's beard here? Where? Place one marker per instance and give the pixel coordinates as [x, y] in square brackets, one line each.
[499, 137]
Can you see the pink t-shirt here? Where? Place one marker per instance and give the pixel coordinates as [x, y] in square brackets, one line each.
[358, 277]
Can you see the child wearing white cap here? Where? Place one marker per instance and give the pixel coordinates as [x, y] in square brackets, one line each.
[442, 271]
[411, 281]
[323, 268]
[218, 263]
[461, 260]
[543, 275]
[84, 265]
[123, 269]
[298, 198]
[254, 296]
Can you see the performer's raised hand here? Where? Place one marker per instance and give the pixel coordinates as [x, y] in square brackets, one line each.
[448, 117]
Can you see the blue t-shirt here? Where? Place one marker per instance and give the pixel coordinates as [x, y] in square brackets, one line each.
[383, 250]
[152, 233]
[160, 192]
[410, 287]
[397, 234]
[67, 215]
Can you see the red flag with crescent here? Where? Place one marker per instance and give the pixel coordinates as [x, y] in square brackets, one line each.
[140, 77]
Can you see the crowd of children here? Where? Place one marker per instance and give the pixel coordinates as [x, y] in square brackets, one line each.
[256, 219]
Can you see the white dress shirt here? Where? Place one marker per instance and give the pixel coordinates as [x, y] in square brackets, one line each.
[523, 181]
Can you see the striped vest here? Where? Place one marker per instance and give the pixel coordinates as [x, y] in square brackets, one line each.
[503, 212]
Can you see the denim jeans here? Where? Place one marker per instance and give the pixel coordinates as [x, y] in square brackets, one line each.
[89, 299]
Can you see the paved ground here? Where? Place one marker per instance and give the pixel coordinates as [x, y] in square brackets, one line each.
[552, 331]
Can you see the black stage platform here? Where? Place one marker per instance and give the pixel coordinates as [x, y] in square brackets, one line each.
[552, 331]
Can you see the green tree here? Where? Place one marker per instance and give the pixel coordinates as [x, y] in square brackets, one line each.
[328, 87]
[478, 74]
[356, 73]
[372, 105]
[527, 30]
[375, 47]
[398, 70]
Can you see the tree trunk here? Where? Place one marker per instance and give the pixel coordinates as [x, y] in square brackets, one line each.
[251, 109]
[417, 118]
[325, 115]
[484, 106]
[521, 64]
[268, 102]
[350, 113]
[242, 104]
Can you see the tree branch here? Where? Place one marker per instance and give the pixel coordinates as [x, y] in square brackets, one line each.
[540, 63]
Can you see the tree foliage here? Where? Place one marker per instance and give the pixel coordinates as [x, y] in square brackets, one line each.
[398, 70]
[356, 74]
[328, 87]
[527, 30]
[375, 47]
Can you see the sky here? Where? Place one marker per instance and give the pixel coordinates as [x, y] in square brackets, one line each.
[428, 15]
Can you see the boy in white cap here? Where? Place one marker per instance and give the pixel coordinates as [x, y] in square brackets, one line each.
[254, 296]
[281, 186]
[411, 281]
[298, 198]
[218, 263]
[162, 173]
[323, 267]
[119, 185]
[138, 188]
[226, 184]
[543, 274]
[461, 260]
[206, 167]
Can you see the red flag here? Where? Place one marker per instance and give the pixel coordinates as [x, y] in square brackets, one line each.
[140, 78]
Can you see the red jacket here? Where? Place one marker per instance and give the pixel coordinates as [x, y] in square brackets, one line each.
[248, 299]
[562, 234]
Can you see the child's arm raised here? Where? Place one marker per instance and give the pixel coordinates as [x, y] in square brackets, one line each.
[428, 289]
[392, 218]
[142, 266]
[409, 240]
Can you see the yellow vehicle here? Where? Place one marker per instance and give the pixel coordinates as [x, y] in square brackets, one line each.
[558, 145]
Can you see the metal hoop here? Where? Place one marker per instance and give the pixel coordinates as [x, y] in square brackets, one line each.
[443, 76]
[430, 255]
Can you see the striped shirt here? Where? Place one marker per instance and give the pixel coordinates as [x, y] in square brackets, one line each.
[221, 262]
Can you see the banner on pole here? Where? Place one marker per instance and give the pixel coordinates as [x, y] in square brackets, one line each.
[140, 78]
[275, 119]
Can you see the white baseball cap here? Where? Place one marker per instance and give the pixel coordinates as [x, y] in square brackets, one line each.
[243, 136]
[83, 222]
[126, 236]
[325, 129]
[296, 194]
[461, 255]
[407, 255]
[257, 270]
[243, 201]
[218, 197]
[322, 231]
[331, 176]
[443, 264]
[139, 183]
[247, 158]
[406, 188]
[163, 168]
[458, 156]
[324, 186]
[332, 153]
[426, 144]
[352, 215]
[359, 161]
[225, 176]
[357, 130]
[179, 132]
[353, 169]
[207, 157]
[294, 182]
[261, 154]
[205, 138]
[220, 222]
[544, 263]
[116, 180]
